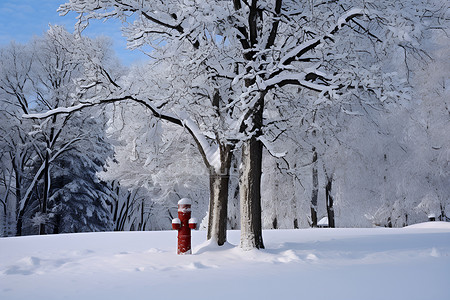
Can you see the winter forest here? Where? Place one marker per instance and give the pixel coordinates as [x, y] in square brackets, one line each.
[266, 113]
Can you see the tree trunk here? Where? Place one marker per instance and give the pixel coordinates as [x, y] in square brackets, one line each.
[442, 217]
[19, 222]
[218, 204]
[141, 223]
[19, 215]
[250, 195]
[57, 226]
[115, 210]
[45, 194]
[330, 203]
[5, 220]
[315, 189]
[19, 212]
[250, 181]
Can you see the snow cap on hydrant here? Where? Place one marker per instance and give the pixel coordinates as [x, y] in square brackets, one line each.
[185, 201]
[184, 223]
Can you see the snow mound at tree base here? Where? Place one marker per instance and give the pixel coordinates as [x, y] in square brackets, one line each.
[432, 225]
[371, 263]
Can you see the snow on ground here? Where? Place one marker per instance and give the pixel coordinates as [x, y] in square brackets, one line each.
[378, 263]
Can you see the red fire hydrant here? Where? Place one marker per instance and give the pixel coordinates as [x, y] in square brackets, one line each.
[184, 223]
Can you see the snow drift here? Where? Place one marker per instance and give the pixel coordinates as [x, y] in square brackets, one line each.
[377, 263]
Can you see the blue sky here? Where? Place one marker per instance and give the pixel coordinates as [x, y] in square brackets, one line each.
[20, 20]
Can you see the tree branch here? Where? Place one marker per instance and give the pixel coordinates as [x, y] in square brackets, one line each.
[206, 150]
[274, 30]
[303, 48]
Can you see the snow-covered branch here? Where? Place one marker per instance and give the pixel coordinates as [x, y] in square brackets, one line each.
[209, 150]
[39, 173]
[307, 46]
[57, 111]
[300, 79]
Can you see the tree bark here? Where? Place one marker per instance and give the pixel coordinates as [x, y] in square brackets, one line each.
[5, 219]
[330, 203]
[19, 212]
[250, 195]
[315, 189]
[250, 182]
[42, 230]
[218, 205]
[251, 167]
[19, 223]
[57, 226]
[442, 217]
